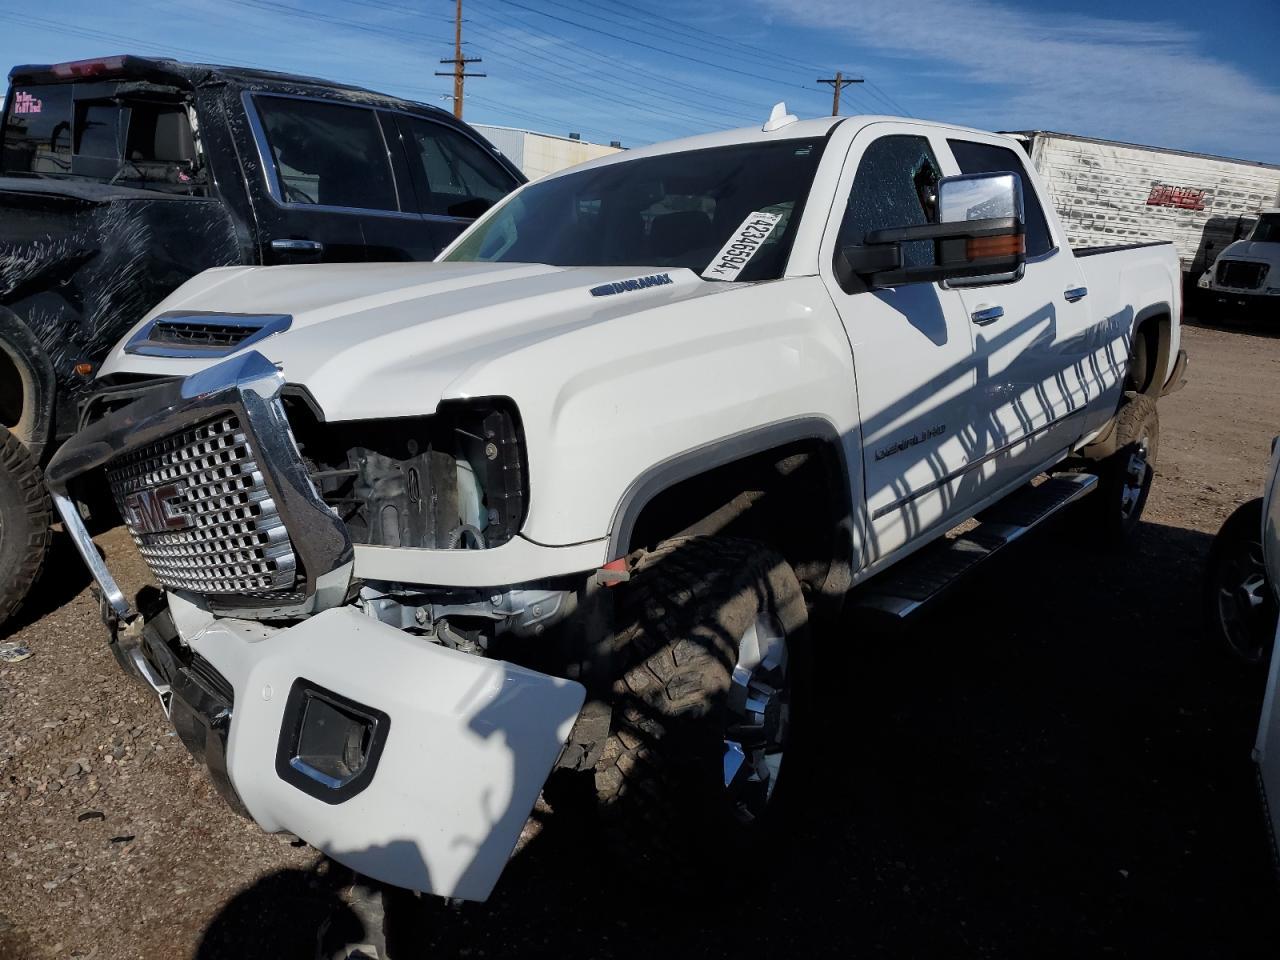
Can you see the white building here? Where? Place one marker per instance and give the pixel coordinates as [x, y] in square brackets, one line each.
[539, 154]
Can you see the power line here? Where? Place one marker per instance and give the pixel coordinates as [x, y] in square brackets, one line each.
[554, 121]
[692, 29]
[889, 100]
[405, 35]
[611, 63]
[698, 37]
[712, 117]
[648, 46]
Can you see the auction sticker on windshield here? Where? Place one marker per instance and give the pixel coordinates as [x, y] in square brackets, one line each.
[742, 246]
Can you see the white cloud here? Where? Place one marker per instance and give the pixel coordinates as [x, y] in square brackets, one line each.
[1116, 78]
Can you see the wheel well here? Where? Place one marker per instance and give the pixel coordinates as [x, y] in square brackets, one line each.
[11, 391]
[27, 384]
[794, 498]
[1149, 352]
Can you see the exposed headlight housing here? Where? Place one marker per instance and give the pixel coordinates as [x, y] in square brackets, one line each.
[453, 480]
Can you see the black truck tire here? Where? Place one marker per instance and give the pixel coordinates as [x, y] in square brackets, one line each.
[692, 606]
[1124, 477]
[1240, 608]
[24, 523]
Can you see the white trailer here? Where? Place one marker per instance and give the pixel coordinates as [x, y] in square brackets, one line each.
[1108, 193]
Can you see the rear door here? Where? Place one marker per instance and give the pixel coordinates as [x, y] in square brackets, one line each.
[328, 188]
[1031, 336]
[455, 177]
[912, 345]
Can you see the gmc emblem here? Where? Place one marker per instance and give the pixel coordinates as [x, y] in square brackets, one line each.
[154, 510]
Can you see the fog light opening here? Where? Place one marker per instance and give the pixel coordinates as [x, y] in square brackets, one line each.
[329, 744]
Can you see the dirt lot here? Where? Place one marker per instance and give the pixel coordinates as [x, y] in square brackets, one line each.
[1051, 765]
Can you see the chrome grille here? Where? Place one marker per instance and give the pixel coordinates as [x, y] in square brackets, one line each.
[201, 515]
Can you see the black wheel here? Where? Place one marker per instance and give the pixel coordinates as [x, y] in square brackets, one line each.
[711, 659]
[1239, 605]
[24, 523]
[1124, 478]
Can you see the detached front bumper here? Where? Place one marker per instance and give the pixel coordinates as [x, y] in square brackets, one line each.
[457, 751]
[410, 762]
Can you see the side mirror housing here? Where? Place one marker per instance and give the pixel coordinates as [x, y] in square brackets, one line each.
[981, 234]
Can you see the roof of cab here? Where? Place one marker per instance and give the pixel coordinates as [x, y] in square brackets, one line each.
[794, 130]
[181, 73]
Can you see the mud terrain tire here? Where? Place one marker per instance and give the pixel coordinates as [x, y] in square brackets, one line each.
[24, 523]
[660, 782]
[1124, 478]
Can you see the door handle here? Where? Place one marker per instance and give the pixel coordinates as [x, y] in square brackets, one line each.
[1075, 293]
[986, 314]
[297, 246]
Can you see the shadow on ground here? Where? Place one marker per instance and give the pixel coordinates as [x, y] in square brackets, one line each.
[1255, 324]
[1050, 765]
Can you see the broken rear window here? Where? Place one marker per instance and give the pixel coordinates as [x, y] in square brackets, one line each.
[135, 139]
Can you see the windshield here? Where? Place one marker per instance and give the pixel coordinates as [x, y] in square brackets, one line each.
[138, 140]
[729, 211]
[1267, 229]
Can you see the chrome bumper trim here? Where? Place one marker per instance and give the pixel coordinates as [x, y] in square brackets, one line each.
[88, 551]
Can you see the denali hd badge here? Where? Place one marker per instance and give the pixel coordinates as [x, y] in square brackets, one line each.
[911, 441]
[622, 286]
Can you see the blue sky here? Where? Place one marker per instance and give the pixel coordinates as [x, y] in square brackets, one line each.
[1173, 73]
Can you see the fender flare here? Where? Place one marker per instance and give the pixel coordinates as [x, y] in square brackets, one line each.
[1162, 315]
[35, 428]
[684, 466]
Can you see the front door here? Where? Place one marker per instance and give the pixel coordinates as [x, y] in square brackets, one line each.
[1032, 341]
[912, 346]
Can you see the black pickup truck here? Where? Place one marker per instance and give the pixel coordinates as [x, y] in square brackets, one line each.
[122, 177]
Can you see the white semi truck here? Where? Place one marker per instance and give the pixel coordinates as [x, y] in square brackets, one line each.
[566, 501]
[1245, 277]
[1107, 192]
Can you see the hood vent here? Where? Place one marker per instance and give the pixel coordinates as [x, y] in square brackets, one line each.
[205, 335]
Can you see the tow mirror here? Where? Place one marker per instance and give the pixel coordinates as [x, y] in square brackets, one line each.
[980, 233]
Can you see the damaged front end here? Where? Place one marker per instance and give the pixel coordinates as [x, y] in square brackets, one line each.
[365, 715]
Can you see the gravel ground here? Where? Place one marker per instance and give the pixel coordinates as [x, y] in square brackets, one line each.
[1051, 764]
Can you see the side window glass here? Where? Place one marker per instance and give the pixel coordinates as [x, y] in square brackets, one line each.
[328, 154]
[974, 157]
[458, 178]
[896, 186]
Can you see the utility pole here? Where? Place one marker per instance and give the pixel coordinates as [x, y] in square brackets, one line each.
[838, 83]
[459, 64]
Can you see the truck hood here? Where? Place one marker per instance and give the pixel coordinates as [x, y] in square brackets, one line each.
[385, 340]
[1254, 250]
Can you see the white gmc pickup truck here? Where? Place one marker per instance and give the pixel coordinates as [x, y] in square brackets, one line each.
[561, 506]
